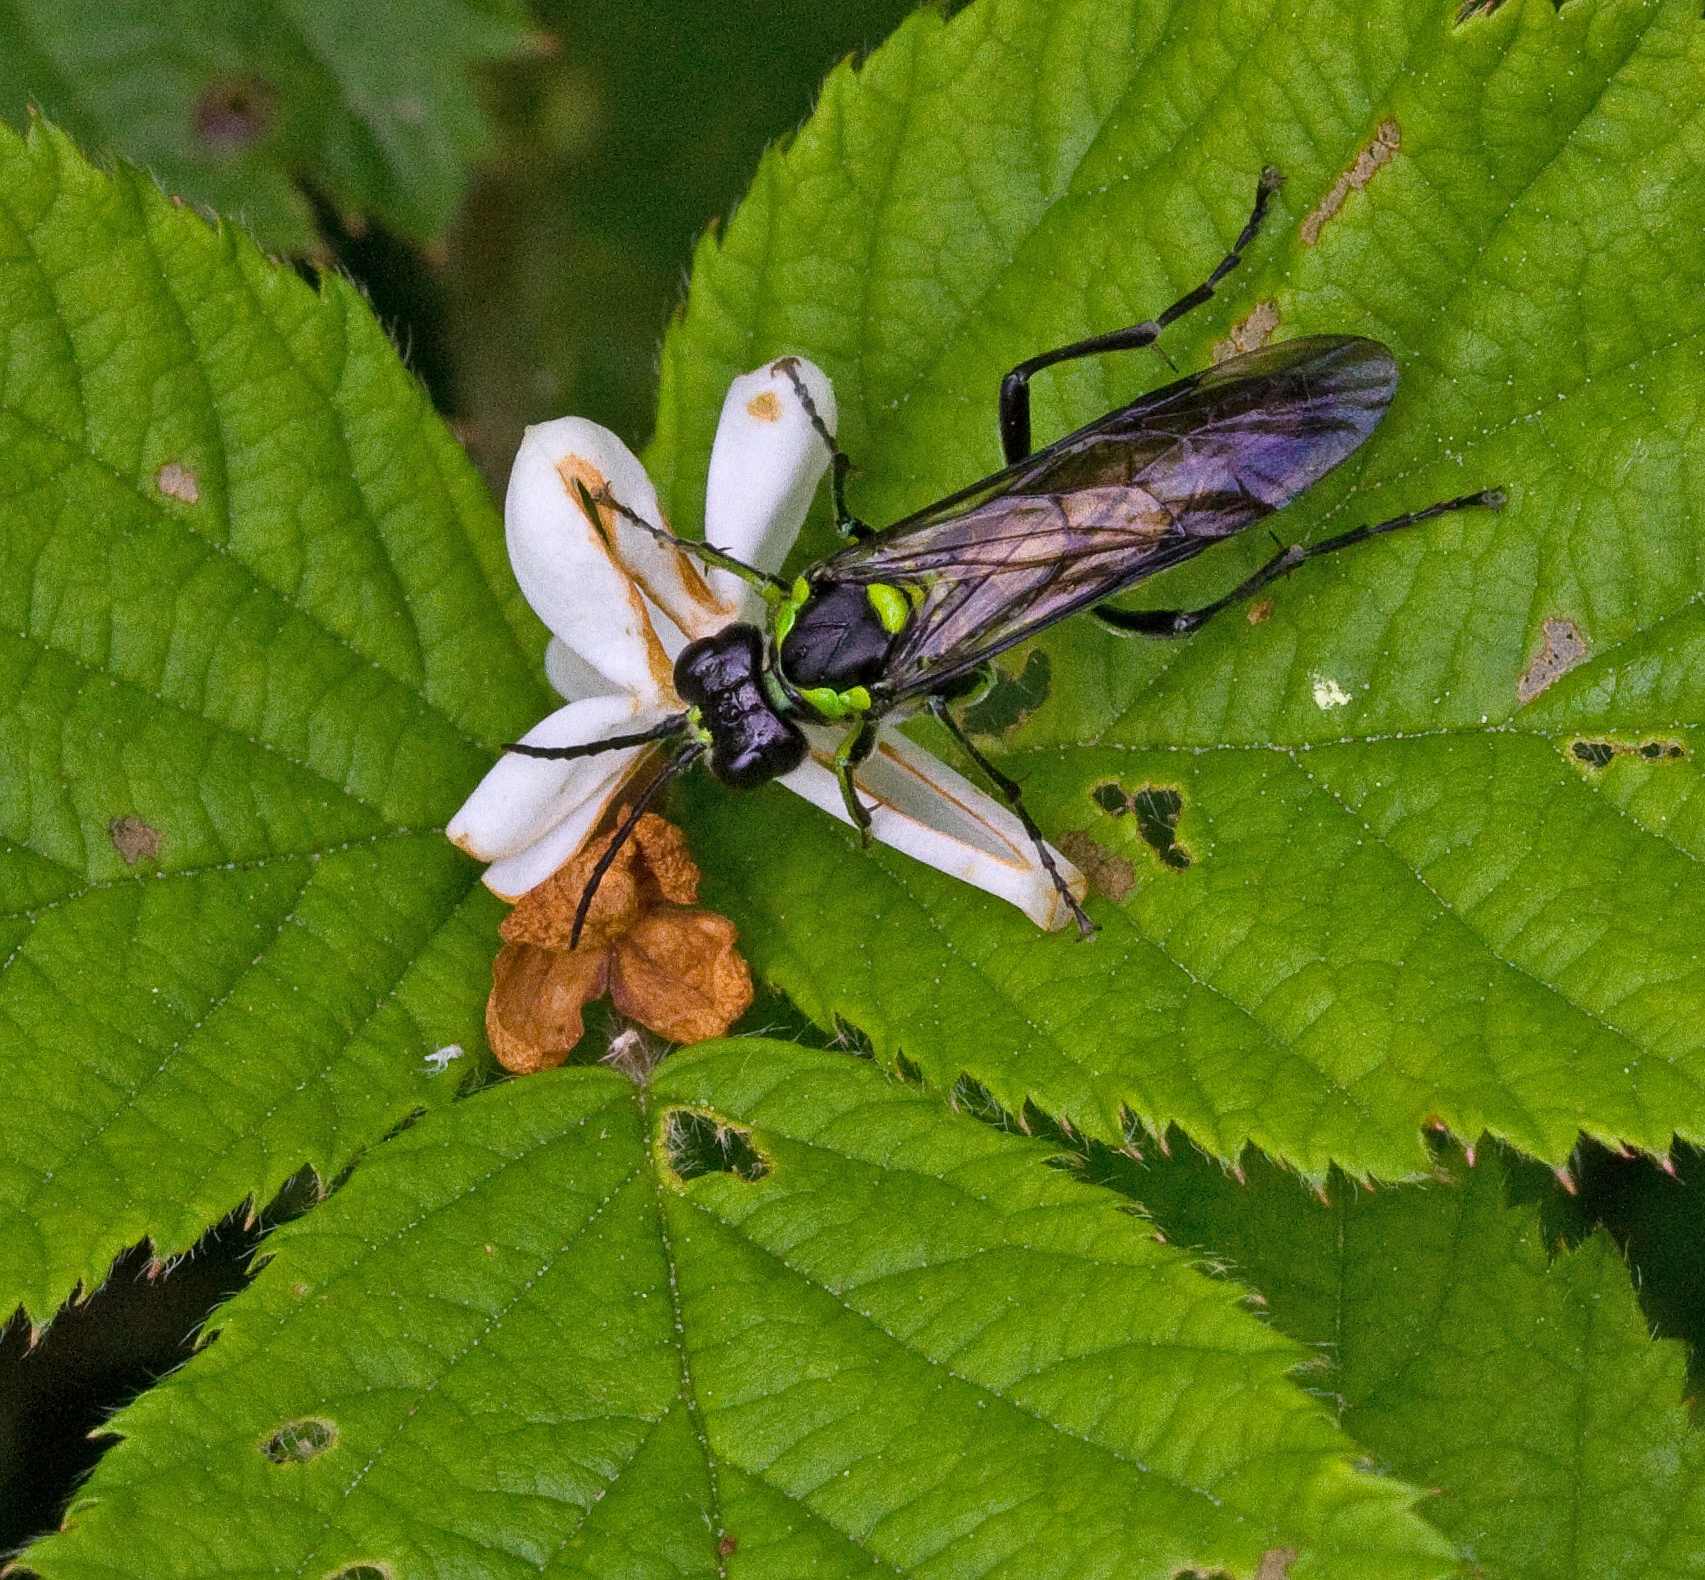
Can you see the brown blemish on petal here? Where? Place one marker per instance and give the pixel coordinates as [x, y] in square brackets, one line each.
[1253, 333]
[1108, 875]
[576, 470]
[177, 482]
[133, 839]
[674, 970]
[1564, 648]
[1380, 152]
[764, 406]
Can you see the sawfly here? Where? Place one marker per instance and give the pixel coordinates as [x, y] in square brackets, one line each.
[908, 617]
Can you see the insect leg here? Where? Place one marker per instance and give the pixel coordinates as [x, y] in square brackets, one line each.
[1015, 387]
[710, 554]
[854, 748]
[1181, 622]
[675, 724]
[1015, 799]
[840, 463]
[681, 761]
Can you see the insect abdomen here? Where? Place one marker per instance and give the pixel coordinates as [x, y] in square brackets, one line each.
[721, 676]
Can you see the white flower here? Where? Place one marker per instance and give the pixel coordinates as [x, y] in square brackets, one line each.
[620, 606]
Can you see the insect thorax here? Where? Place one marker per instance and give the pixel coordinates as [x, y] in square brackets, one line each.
[721, 678]
[838, 639]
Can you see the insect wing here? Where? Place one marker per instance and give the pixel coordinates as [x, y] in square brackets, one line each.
[1146, 487]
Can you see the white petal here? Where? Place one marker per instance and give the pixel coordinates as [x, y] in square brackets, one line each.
[578, 587]
[765, 467]
[512, 878]
[570, 674]
[524, 798]
[939, 817]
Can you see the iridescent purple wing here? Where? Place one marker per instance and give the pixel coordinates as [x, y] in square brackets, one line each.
[1143, 488]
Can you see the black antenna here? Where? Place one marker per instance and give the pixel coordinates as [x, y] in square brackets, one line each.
[673, 725]
[681, 761]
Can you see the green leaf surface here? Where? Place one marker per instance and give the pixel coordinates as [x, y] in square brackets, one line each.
[257, 638]
[777, 1313]
[234, 103]
[1527, 1393]
[1409, 896]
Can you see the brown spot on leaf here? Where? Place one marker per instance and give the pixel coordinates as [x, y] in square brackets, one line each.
[728, 1544]
[764, 406]
[673, 969]
[1253, 333]
[1380, 152]
[1108, 875]
[234, 112]
[1276, 1563]
[1564, 648]
[1260, 611]
[177, 482]
[133, 839]
[1598, 754]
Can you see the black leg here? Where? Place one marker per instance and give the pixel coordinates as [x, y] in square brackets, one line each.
[711, 555]
[1015, 799]
[675, 724]
[854, 748]
[1015, 387]
[682, 760]
[1181, 622]
[846, 523]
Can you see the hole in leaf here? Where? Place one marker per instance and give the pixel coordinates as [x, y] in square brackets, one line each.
[1112, 799]
[1157, 810]
[361, 1572]
[296, 1442]
[1012, 698]
[1597, 754]
[704, 1144]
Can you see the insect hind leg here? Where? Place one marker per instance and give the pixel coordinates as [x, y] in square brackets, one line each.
[1015, 387]
[1009, 788]
[1181, 622]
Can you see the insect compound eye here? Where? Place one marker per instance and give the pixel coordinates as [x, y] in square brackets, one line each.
[838, 640]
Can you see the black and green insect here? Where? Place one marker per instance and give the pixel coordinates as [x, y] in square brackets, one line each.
[908, 617]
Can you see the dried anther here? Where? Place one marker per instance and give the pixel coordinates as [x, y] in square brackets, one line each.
[664, 964]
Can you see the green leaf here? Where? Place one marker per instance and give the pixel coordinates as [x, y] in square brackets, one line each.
[1528, 1394]
[233, 104]
[257, 639]
[1408, 894]
[778, 1305]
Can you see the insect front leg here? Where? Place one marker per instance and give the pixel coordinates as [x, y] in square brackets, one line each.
[1015, 387]
[1015, 799]
[855, 746]
[1181, 622]
[840, 463]
[707, 552]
